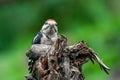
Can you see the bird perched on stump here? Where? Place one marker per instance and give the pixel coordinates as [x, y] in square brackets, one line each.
[47, 36]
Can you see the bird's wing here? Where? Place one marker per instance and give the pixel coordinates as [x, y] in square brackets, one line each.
[30, 65]
[37, 38]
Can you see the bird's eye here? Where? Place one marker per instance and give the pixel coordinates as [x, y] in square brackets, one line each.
[46, 23]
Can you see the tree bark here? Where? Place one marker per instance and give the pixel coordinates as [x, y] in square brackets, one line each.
[61, 62]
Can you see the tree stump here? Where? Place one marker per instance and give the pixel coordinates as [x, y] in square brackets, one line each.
[61, 61]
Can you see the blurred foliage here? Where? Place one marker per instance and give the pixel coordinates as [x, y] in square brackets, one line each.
[95, 21]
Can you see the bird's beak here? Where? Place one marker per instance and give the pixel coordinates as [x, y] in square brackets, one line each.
[52, 25]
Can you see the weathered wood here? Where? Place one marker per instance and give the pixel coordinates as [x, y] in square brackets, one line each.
[61, 62]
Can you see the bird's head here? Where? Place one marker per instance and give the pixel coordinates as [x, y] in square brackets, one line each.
[50, 27]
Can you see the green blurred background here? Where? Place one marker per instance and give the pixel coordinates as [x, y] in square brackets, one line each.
[95, 21]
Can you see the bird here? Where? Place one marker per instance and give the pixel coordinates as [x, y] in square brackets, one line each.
[46, 37]
[48, 34]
